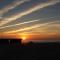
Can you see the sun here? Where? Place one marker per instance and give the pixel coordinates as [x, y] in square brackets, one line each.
[24, 36]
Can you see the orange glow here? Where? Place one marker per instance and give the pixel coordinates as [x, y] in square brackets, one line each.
[24, 36]
[27, 37]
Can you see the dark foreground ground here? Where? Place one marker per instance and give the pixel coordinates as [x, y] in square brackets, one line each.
[29, 51]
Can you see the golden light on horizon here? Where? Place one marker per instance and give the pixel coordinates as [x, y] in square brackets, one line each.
[24, 36]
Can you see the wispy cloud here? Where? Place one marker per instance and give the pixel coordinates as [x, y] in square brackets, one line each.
[9, 26]
[32, 27]
[29, 11]
[11, 6]
[20, 24]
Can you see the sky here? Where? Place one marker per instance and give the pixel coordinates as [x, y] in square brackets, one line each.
[32, 17]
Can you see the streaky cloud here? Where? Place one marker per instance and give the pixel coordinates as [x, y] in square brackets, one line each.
[23, 23]
[29, 11]
[11, 6]
[19, 24]
[31, 27]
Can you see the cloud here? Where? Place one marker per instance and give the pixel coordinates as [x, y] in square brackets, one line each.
[29, 11]
[32, 27]
[20, 24]
[11, 6]
[23, 23]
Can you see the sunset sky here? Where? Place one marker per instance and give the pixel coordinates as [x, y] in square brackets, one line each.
[39, 19]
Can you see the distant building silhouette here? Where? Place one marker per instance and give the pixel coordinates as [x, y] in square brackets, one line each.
[11, 41]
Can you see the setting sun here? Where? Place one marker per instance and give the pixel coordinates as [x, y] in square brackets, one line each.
[23, 36]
